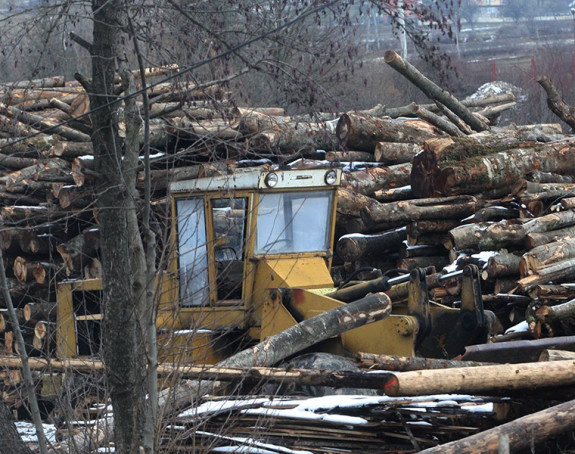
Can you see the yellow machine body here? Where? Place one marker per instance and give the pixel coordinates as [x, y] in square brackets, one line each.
[233, 240]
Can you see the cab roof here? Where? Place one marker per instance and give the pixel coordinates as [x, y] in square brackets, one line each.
[243, 179]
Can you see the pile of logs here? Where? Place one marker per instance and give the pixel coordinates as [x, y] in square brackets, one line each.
[431, 185]
[424, 185]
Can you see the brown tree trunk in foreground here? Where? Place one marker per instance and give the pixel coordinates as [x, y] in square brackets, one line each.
[10, 441]
[521, 433]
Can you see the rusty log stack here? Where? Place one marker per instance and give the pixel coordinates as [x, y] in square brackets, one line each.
[433, 185]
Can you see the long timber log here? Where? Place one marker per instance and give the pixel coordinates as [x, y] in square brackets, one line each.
[433, 91]
[485, 379]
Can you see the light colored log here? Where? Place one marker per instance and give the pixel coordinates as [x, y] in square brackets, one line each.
[556, 355]
[485, 379]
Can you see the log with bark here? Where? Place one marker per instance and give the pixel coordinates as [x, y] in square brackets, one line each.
[547, 254]
[274, 349]
[364, 132]
[390, 215]
[522, 433]
[349, 156]
[433, 91]
[369, 181]
[43, 124]
[541, 315]
[448, 169]
[502, 264]
[507, 233]
[352, 247]
[293, 139]
[403, 363]
[555, 103]
[79, 251]
[395, 153]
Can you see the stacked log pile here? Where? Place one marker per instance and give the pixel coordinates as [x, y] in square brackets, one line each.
[416, 192]
[424, 186]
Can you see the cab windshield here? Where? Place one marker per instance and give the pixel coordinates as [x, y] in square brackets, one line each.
[293, 222]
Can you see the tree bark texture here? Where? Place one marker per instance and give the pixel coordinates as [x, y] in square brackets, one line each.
[547, 254]
[364, 132]
[355, 246]
[521, 433]
[395, 153]
[555, 103]
[479, 173]
[394, 213]
[373, 307]
[120, 240]
[369, 181]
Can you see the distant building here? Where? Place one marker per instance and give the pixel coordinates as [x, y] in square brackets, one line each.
[490, 7]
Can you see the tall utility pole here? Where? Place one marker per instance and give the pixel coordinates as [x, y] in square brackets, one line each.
[402, 32]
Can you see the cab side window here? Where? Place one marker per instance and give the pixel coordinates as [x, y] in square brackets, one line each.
[229, 222]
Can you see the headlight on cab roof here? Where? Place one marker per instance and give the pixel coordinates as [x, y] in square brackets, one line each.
[271, 180]
[330, 177]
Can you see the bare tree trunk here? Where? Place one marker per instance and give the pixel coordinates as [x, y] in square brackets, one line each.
[121, 245]
[10, 441]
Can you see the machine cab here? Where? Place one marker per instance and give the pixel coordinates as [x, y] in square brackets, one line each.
[234, 236]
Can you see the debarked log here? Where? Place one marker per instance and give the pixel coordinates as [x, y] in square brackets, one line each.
[521, 433]
[405, 211]
[485, 379]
